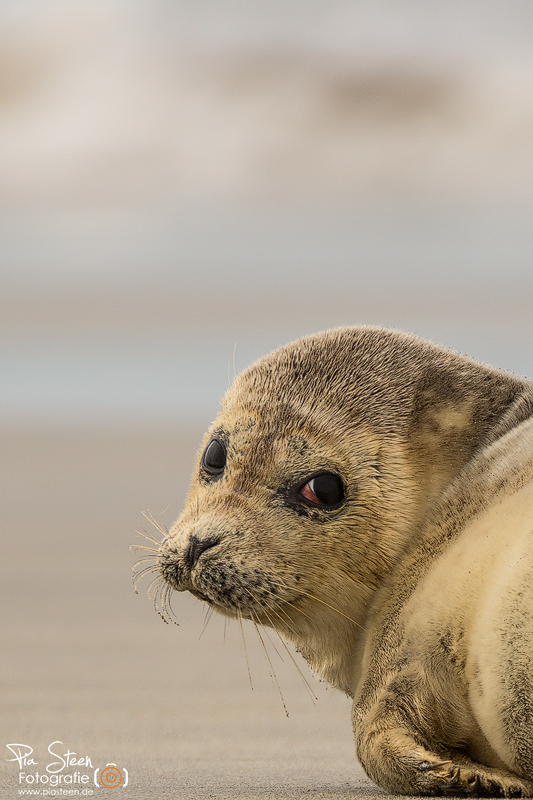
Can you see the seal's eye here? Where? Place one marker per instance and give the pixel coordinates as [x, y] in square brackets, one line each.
[214, 457]
[326, 490]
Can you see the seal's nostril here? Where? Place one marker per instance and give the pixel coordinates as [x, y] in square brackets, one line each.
[196, 547]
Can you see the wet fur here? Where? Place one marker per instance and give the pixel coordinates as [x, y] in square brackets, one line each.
[416, 596]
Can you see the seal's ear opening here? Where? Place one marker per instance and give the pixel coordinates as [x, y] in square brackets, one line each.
[214, 457]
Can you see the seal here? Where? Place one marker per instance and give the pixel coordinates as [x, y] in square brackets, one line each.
[369, 495]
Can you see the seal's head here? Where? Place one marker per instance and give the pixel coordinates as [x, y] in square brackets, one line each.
[322, 461]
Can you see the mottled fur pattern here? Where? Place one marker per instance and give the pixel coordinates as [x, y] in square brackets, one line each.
[415, 596]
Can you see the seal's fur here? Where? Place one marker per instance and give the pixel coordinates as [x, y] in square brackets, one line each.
[415, 596]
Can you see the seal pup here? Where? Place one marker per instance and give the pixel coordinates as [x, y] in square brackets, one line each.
[369, 495]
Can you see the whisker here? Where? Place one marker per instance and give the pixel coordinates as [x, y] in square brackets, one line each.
[245, 650]
[155, 595]
[136, 572]
[287, 620]
[163, 599]
[150, 517]
[262, 606]
[338, 611]
[360, 585]
[265, 631]
[319, 600]
[271, 668]
[144, 559]
[158, 601]
[158, 590]
[234, 374]
[290, 605]
[150, 538]
[168, 602]
[148, 590]
[208, 615]
[298, 610]
[307, 685]
[137, 576]
[162, 595]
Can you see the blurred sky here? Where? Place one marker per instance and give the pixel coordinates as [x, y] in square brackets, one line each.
[185, 184]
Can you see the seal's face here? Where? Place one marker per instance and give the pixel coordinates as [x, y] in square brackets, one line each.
[259, 501]
[302, 494]
[283, 521]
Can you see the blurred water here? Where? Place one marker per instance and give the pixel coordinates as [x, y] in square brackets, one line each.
[161, 385]
[251, 249]
[138, 322]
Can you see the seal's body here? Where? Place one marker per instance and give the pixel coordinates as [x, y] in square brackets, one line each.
[370, 496]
